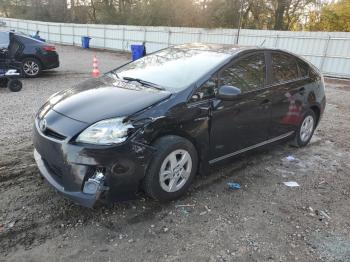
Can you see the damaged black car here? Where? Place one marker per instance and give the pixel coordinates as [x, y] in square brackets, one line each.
[153, 124]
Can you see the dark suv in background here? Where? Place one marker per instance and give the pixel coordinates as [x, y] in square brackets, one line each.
[35, 55]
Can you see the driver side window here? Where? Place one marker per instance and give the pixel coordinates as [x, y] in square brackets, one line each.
[247, 74]
[207, 90]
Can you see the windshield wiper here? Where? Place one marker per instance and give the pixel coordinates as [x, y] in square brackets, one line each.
[143, 82]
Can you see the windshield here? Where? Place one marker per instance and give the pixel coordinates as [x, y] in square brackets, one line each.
[173, 69]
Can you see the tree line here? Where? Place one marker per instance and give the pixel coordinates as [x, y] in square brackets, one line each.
[254, 14]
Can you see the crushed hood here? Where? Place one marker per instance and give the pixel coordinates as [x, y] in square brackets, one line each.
[99, 99]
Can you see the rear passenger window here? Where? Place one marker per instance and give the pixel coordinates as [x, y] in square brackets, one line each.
[247, 74]
[284, 68]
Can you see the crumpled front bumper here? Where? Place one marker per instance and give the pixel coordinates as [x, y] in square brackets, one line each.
[78, 197]
[67, 166]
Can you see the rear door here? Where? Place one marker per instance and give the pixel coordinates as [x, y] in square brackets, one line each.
[245, 121]
[286, 81]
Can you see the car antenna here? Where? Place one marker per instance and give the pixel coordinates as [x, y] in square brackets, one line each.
[263, 42]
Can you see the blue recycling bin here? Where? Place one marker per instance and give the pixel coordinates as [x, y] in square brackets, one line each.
[85, 42]
[137, 51]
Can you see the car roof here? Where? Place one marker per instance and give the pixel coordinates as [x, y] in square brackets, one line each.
[221, 48]
[230, 49]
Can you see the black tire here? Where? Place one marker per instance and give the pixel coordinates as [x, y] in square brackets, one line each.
[166, 146]
[298, 141]
[3, 82]
[37, 67]
[14, 85]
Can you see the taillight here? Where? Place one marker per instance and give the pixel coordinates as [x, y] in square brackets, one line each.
[49, 48]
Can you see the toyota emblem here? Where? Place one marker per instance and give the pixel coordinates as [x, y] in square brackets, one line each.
[42, 125]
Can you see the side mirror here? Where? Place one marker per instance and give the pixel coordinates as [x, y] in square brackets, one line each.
[228, 92]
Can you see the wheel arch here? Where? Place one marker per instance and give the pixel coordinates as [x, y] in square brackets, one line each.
[23, 57]
[201, 155]
[179, 134]
[317, 110]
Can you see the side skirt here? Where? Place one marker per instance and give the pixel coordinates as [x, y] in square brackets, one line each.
[251, 148]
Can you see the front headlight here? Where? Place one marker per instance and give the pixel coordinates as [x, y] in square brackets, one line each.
[106, 132]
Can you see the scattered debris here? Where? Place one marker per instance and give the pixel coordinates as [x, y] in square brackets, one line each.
[165, 229]
[184, 210]
[291, 184]
[11, 224]
[177, 206]
[290, 159]
[325, 215]
[203, 213]
[234, 185]
[207, 208]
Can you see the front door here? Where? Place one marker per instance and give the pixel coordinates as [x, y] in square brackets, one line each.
[245, 121]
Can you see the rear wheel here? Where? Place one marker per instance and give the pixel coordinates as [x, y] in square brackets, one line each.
[14, 85]
[172, 169]
[31, 67]
[305, 130]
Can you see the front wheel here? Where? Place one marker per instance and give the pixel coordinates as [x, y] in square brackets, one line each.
[14, 85]
[305, 131]
[172, 169]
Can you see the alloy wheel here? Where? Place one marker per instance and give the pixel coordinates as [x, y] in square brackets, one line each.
[307, 128]
[31, 68]
[175, 171]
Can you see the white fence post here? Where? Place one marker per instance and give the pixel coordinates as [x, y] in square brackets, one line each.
[104, 37]
[169, 37]
[325, 52]
[199, 38]
[145, 35]
[276, 42]
[73, 34]
[123, 39]
[48, 31]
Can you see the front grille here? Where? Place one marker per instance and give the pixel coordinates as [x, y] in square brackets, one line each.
[50, 133]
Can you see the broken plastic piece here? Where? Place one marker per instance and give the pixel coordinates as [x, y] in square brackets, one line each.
[234, 185]
[291, 184]
[290, 158]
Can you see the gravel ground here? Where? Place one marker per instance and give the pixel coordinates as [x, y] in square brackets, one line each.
[262, 221]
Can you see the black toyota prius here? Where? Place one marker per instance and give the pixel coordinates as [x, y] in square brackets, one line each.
[153, 124]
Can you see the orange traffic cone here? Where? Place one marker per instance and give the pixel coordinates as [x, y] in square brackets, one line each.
[95, 71]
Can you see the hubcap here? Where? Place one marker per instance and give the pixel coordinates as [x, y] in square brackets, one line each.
[31, 68]
[175, 171]
[307, 128]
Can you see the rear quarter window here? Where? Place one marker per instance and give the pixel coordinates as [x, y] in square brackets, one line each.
[284, 68]
[304, 69]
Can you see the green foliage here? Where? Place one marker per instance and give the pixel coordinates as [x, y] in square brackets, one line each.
[333, 17]
[256, 14]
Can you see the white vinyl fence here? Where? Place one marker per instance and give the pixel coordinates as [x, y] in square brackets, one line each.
[329, 51]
